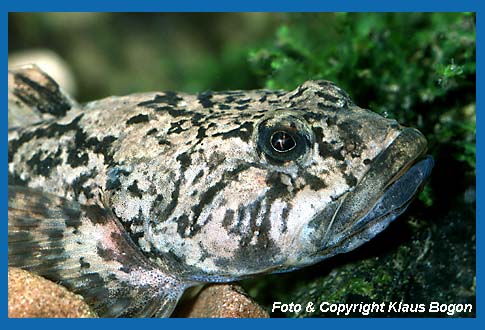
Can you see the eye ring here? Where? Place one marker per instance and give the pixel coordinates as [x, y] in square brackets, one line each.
[282, 141]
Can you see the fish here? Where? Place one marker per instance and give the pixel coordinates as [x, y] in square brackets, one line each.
[130, 200]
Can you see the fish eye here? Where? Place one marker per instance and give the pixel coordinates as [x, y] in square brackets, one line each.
[282, 141]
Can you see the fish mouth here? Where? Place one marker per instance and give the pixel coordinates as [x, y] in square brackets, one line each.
[395, 176]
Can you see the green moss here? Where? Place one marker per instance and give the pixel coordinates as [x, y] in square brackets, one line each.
[416, 67]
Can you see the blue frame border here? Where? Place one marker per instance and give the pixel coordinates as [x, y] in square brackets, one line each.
[254, 6]
[239, 5]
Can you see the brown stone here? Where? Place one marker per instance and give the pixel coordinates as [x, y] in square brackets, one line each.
[221, 301]
[30, 295]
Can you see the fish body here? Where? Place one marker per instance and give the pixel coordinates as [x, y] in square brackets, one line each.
[130, 200]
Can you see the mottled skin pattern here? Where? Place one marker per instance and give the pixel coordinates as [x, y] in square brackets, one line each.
[194, 185]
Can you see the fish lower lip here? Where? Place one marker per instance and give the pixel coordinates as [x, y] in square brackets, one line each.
[390, 205]
[382, 195]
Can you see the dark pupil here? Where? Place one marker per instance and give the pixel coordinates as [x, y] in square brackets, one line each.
[282, 141]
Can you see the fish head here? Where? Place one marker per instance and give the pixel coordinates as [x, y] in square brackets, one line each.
[294, 178]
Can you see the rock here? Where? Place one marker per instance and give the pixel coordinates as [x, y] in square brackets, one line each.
[221, 301]
[30, 295]
[33, 296]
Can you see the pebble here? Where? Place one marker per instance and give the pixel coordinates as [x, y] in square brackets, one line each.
[31, 296]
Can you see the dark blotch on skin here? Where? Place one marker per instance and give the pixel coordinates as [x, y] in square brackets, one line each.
[229, 99]
[254, 210]
[312, 116]
[243, 101]
[350, 179]
[128, 225]
[314, 182]
[195, 227]
[224, 107]
[284, 218]
[113, 181]
[78, 184]
[349, 132]
[152, 131]
[278, 188]
[205, 199]
[164, 214]
[332, 121]
[103, 147]
[84, 264]
[50, 131]
[159, 198]
[134, 190]
[327, 97]
[242, 107]
[168, 103]
[184, 160]
[141, 118]
[76, 158]
[265, 248]
[326, 150]
[208, 196]
[201, 133]
[176, 127]
[96, 214]
[43, 167]
[197, 119]
[166, 108]
[182, 224]
[318, 133]
[228, 218]
[298, 93]
[244, 131]
[241, 213]
[205, 100]
[199, 175]
[169, 98]
[105, 254]
[323, 106]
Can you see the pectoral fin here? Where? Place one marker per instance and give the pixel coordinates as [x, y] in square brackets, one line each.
[84, 248]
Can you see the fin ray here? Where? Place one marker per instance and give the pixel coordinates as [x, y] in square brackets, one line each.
[84, 248]
[34, 96]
